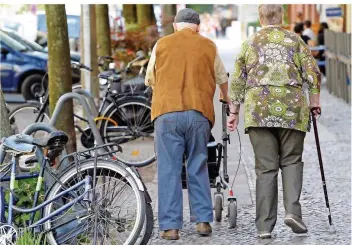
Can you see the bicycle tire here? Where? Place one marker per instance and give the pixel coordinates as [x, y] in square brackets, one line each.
[106, 165]
[110, 113]
[148, 225]
[28, 106]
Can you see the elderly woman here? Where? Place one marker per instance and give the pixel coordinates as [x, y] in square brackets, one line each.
[268, 77]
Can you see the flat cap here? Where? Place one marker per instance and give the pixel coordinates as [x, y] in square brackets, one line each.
[188, 16]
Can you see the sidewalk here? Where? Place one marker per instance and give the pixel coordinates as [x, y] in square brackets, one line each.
[335, 132]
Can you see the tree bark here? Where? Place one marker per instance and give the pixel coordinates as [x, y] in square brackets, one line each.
[93, 55]
[60, 80]
[5, 126]
[103, 29]
[168, 15]
[145, 14]
[130, 13]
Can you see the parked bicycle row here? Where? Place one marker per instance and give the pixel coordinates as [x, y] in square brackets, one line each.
[123, 116]
[90, 195]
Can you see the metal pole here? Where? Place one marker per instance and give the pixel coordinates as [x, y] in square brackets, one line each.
[86, 44]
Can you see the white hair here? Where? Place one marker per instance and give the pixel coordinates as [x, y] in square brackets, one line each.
[271, 14]
[182, 25]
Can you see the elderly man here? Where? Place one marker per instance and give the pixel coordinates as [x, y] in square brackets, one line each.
[183, 71]
[268, 77]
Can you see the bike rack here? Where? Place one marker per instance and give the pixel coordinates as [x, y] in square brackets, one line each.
[87, 111]
[89, 98]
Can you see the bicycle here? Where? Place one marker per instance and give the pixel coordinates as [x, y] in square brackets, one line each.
[77, 208]
[128, 85]
[122, 118]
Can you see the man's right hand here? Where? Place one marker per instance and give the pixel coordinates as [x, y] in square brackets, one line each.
[232, 122]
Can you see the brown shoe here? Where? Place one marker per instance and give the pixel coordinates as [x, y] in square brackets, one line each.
[204, 229]
[170, 235]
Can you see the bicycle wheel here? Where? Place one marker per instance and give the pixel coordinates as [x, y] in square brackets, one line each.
[26, 114]
[134, 130]
[148, 226]
[115, 216]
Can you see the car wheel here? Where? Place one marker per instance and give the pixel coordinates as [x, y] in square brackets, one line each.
[31, 85]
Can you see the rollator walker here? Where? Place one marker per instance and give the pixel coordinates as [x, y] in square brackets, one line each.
[218, 176]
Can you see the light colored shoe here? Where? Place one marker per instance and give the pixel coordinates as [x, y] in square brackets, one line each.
[295, 223]
[204, 229]
[264, 235]
[170, 235]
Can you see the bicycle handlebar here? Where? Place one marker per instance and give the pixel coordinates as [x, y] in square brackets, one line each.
[80, 66]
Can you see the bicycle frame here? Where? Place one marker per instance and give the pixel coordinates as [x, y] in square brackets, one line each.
[41, 109]
[11, 207]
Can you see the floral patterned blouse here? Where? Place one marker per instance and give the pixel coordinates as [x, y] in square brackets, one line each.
[269, 72]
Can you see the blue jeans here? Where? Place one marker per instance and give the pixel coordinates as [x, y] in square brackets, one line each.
[180, 134]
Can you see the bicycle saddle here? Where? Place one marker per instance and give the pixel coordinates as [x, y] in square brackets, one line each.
[25, 144]
[53, 140]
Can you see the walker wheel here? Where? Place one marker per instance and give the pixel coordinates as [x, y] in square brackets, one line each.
[218, 208]
[232, 213]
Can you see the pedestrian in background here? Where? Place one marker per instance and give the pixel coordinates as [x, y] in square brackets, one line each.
[299, 31]
[308, 30]
[269, 73]
[321, 41]
[183, 71]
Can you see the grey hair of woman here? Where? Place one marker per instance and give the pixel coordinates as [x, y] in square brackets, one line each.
[271, 14]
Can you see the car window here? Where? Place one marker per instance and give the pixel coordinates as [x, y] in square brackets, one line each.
[73, 25]
[12, 43]
[29, 44]
[41, 23]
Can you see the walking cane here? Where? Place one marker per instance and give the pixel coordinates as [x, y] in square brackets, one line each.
[317, 109]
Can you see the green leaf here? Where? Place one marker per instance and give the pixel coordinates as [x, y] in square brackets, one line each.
[23, 199]
[16, 184]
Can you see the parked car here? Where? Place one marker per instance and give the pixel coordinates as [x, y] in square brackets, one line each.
[21, 68]
[75, 56]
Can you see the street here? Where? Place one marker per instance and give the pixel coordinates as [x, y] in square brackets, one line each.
[335, 137]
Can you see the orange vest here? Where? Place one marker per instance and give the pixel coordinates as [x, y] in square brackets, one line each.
[185, 76]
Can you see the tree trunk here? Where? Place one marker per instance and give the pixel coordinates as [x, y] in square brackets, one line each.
[95, 86]
[130, 13]
[5, 126]
[145, 14]
[168, 15]
[5, 130]
[103, 30]
[60, 79]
